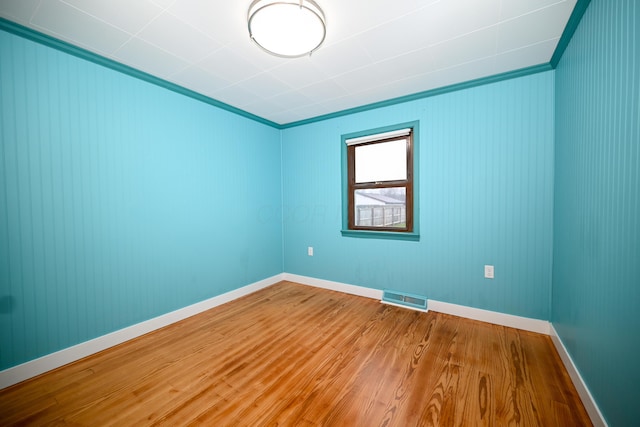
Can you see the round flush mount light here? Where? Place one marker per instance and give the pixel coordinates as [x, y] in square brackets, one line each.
[286, 28]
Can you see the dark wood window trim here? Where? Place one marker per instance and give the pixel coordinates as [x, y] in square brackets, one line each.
[407, 184]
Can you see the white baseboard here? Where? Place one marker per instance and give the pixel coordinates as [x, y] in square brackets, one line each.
[35, 367]
[581, 387]
[334, 286]
[509, 320]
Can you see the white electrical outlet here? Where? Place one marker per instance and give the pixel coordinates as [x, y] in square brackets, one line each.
[488, 271]
[310, 251]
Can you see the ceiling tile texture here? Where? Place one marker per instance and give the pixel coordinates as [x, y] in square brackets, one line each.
[375, 50]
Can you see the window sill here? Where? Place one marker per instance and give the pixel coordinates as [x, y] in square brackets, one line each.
[391, 235]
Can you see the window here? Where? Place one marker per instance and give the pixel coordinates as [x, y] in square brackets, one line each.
[379, 183]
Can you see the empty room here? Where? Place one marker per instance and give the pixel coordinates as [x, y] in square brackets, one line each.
[320, 213]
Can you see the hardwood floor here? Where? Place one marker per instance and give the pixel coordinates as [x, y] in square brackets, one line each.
[296, 355]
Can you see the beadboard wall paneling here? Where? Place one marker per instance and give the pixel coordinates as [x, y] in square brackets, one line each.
[121, 201]
[596, 274]
[486, 194]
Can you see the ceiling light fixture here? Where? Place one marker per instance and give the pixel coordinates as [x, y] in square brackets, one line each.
[286, 28]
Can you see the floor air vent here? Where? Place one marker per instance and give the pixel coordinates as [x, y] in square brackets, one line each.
[404, 299]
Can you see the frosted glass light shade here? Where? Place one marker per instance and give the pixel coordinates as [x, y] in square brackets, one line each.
[286, 28]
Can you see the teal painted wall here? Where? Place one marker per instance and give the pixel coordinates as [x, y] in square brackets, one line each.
[486, 197]
[596, 269]
[121, 201]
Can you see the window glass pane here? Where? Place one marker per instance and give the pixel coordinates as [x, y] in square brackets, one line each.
[386, 161]
[381, 207]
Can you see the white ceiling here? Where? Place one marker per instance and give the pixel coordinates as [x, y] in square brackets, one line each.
[375, 50]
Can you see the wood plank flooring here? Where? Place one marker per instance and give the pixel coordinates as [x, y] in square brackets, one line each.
[293, 355]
